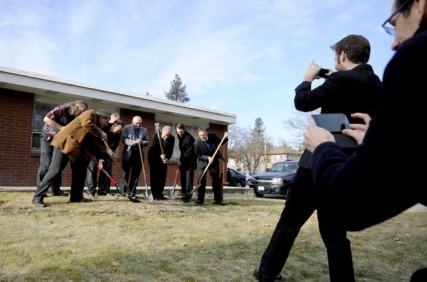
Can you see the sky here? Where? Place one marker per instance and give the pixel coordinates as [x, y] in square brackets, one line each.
[244, 57]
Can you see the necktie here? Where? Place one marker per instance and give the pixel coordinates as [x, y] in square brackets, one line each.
[208, 146]
[136, 133]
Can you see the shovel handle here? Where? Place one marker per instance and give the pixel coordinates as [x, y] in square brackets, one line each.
[207, 166]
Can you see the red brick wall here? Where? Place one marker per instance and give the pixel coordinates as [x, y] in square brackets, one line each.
[17, 168]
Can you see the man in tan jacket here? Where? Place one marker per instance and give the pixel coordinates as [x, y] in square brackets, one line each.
[69, 145]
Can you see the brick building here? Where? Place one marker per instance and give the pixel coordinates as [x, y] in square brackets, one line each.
[26, 97]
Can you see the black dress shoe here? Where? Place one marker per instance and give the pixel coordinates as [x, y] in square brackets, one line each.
[198, 203]
[134, 199]
[221, 203]
[60, 193]
[257, 277]
[82, 200]
[38, 202]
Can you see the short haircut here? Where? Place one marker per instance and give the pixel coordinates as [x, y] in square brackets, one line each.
[202, 128]
[356, 47]
[101, 113]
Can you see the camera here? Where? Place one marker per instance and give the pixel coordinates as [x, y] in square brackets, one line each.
[322, 73]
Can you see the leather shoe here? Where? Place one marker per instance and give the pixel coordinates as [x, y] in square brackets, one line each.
[82, 200]
[198, 203]
[257, 277]
[38, 202]
[60, 193]
[221, 203]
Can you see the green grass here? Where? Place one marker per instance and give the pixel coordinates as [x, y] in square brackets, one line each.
[112, 239]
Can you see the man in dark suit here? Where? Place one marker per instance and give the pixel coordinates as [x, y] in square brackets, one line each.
[134, 138]
[187, 161]
[353, 87]
[356, 186]
[69, 145]
[205, 147]
[159, 153]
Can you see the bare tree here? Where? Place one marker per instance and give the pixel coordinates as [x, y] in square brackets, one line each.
[298, 123]
[248, 146]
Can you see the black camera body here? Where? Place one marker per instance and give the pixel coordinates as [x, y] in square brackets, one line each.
[322, 73]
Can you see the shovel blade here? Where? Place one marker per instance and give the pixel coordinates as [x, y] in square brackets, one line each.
[148, 196]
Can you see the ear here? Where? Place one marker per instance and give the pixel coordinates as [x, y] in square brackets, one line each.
[343, 57]
[421, 8]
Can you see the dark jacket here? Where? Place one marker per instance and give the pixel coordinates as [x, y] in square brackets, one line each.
[347, 92]
[155, 150]
[375, 183]
[203, 153]
[188, 155]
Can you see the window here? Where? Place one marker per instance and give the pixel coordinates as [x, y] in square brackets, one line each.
[39, 112]
[190, 129]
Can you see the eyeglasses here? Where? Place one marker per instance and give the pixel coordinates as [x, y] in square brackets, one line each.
[387, 25]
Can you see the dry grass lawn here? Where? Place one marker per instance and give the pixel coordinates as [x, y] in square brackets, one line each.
[112, 239]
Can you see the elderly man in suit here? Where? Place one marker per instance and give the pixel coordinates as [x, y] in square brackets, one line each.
[69, 145]
[134, 138]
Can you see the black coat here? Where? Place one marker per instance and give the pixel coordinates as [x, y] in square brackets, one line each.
[347, 92]
[203, 153]
[155, 150]
[188, 154]
[376, 183]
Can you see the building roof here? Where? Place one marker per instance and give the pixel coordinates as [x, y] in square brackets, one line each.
[282, 150]
[49, 87]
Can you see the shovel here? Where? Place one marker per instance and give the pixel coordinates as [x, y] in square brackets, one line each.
[174, 183]
[120, 190]
[147, 196]
[116, 162]
[158, 136]
[207, 167]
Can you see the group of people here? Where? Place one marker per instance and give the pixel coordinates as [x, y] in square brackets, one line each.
[352, 182]
[88, 140]
[332, 179]
[200, 154]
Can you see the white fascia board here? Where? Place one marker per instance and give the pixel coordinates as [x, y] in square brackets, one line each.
[46, 85]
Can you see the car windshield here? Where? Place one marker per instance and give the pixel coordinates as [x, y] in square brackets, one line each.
[290, 166]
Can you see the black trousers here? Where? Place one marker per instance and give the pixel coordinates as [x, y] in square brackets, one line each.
[302, 200]
[131, 170]
[216, 185]
[187, 179]
[158, 172]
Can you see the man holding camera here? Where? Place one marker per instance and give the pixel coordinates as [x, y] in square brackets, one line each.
[353, 87]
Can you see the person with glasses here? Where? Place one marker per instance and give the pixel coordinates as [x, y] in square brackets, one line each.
[357, 186]
[352, 87]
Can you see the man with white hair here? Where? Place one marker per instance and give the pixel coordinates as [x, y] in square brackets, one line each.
[134, 138]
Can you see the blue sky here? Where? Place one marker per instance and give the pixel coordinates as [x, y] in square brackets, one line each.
[240, 56]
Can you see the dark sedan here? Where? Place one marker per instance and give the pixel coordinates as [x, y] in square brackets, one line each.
[274, 182]
[235, 178]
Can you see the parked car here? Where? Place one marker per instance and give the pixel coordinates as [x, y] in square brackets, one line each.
[235, 178]
[274, 182]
